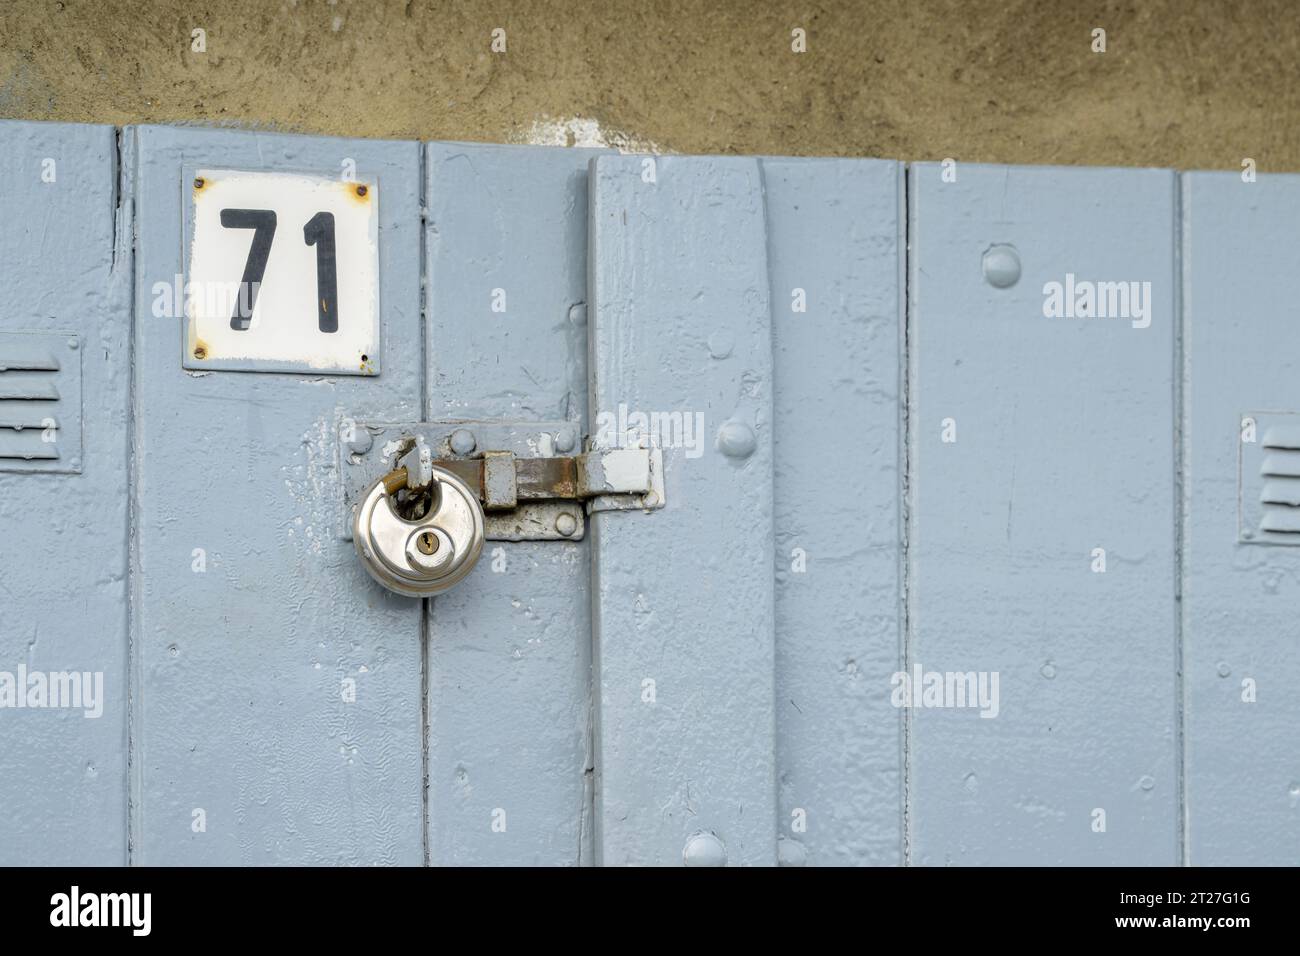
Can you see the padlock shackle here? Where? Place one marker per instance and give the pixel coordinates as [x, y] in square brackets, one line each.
[395, 480]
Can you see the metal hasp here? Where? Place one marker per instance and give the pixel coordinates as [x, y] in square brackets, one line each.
[526, 493]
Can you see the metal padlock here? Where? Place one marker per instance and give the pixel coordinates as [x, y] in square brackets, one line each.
[423, 556]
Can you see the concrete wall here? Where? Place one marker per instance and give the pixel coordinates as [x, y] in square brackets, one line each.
[1182, 84]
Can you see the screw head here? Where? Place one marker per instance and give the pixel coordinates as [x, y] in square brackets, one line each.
[1001, 266]
[566, 524]
[564, 440]
[463, 441]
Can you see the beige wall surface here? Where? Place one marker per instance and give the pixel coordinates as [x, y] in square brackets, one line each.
[1182, 83]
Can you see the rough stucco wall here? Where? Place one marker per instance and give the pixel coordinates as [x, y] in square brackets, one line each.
[1183, 83]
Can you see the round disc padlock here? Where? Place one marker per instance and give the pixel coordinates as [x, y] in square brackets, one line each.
[423, 557]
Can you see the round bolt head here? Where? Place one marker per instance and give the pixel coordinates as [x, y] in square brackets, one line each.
[736, 440]
[358, 439]
[566, 524]
[721, 344]
[790, 853]
[704, 849]
[1001, 266]
[463, 442]
[564, 440]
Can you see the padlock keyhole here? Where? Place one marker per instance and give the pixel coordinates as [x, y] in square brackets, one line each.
[427, 542]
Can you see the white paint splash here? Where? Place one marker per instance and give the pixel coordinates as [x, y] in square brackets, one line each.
[584, 131]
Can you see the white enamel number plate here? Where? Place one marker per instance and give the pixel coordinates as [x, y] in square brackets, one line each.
[283, 273]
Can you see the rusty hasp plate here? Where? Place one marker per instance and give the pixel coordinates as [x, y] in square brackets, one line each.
[621, 479]
[529, 487]
[507, 480]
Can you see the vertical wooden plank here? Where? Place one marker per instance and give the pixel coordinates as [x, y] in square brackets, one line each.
[240, 712]
[509, 652]
[63, 583]
[1241, 352]
[683, 597]
[1036, 443]
[835, 253]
